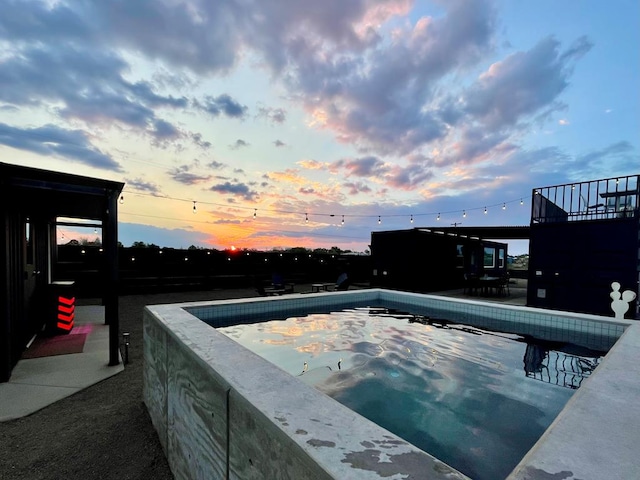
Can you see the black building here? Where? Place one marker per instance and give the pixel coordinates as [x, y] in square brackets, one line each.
[584, 237]
[31, 202]
[427, 260]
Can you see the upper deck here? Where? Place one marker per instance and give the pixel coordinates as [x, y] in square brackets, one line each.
[606, 199]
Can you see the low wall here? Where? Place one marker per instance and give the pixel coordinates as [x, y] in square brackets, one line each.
[222, 412]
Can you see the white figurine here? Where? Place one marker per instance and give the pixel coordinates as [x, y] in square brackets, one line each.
[620, 303]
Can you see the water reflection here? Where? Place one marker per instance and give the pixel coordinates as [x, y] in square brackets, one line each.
[557, 367]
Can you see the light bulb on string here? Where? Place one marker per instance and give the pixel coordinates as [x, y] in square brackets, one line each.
[121, 199]
[379, 220]
[195, 209]
[504, 206]
[438, 217]
[485, 210]
[411, 220]
[342, 223]
[521, 202]
[306, 218]
[255, 213]
[464, 214]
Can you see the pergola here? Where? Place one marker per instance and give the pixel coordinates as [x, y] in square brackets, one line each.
[31, 201]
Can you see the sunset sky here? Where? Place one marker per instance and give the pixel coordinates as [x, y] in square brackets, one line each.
[367, 111]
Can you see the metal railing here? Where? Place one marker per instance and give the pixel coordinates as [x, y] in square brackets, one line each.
[609, 198]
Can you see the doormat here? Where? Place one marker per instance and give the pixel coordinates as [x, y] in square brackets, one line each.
[58, 345]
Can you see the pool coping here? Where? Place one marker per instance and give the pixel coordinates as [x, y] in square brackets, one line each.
[592, 437]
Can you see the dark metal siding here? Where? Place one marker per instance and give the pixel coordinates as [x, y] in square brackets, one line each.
[576, 262]
[11, 295]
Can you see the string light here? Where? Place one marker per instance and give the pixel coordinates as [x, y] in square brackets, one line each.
[343, 217]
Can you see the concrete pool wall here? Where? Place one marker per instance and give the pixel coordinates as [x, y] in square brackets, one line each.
[222, 412]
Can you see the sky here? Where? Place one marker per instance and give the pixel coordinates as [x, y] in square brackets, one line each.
[298, 123]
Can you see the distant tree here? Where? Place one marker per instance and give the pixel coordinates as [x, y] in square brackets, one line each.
[298, 250]
[139, 244]
[335, 250]
[86, 241]
[73, 242]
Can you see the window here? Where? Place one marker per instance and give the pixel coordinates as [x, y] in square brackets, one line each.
[29, 245]
[489, 257]
[501, 258]
[459, 256]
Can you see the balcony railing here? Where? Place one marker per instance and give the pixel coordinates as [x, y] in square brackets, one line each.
[606, 199]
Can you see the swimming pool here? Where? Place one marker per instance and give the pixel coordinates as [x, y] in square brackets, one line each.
[476, 399]
[212, 400]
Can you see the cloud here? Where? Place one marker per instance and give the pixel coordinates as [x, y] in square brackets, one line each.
[88, 85]
[563, 121]
[51, 140]
[362, 167]
[523, 83]
[236, 189]
[197, 139]
[274, 115]
[357, 187]
[163, 130]
[183, 175]
[142, 185]
[380, 96]
[279, 143]
[215, 165]
[239, 144]
[222, 105]
[622, 154]
[313, 165]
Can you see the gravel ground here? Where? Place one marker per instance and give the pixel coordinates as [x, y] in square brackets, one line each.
[103, 431]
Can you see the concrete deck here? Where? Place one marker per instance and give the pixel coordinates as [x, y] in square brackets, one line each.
[38, 382]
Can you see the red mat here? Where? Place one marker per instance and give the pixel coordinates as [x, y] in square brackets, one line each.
[58, 345]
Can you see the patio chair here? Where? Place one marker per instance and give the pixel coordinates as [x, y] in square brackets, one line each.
[471, 284]
[503, 286]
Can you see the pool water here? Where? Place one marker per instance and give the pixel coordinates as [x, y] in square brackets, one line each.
[476, 399]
